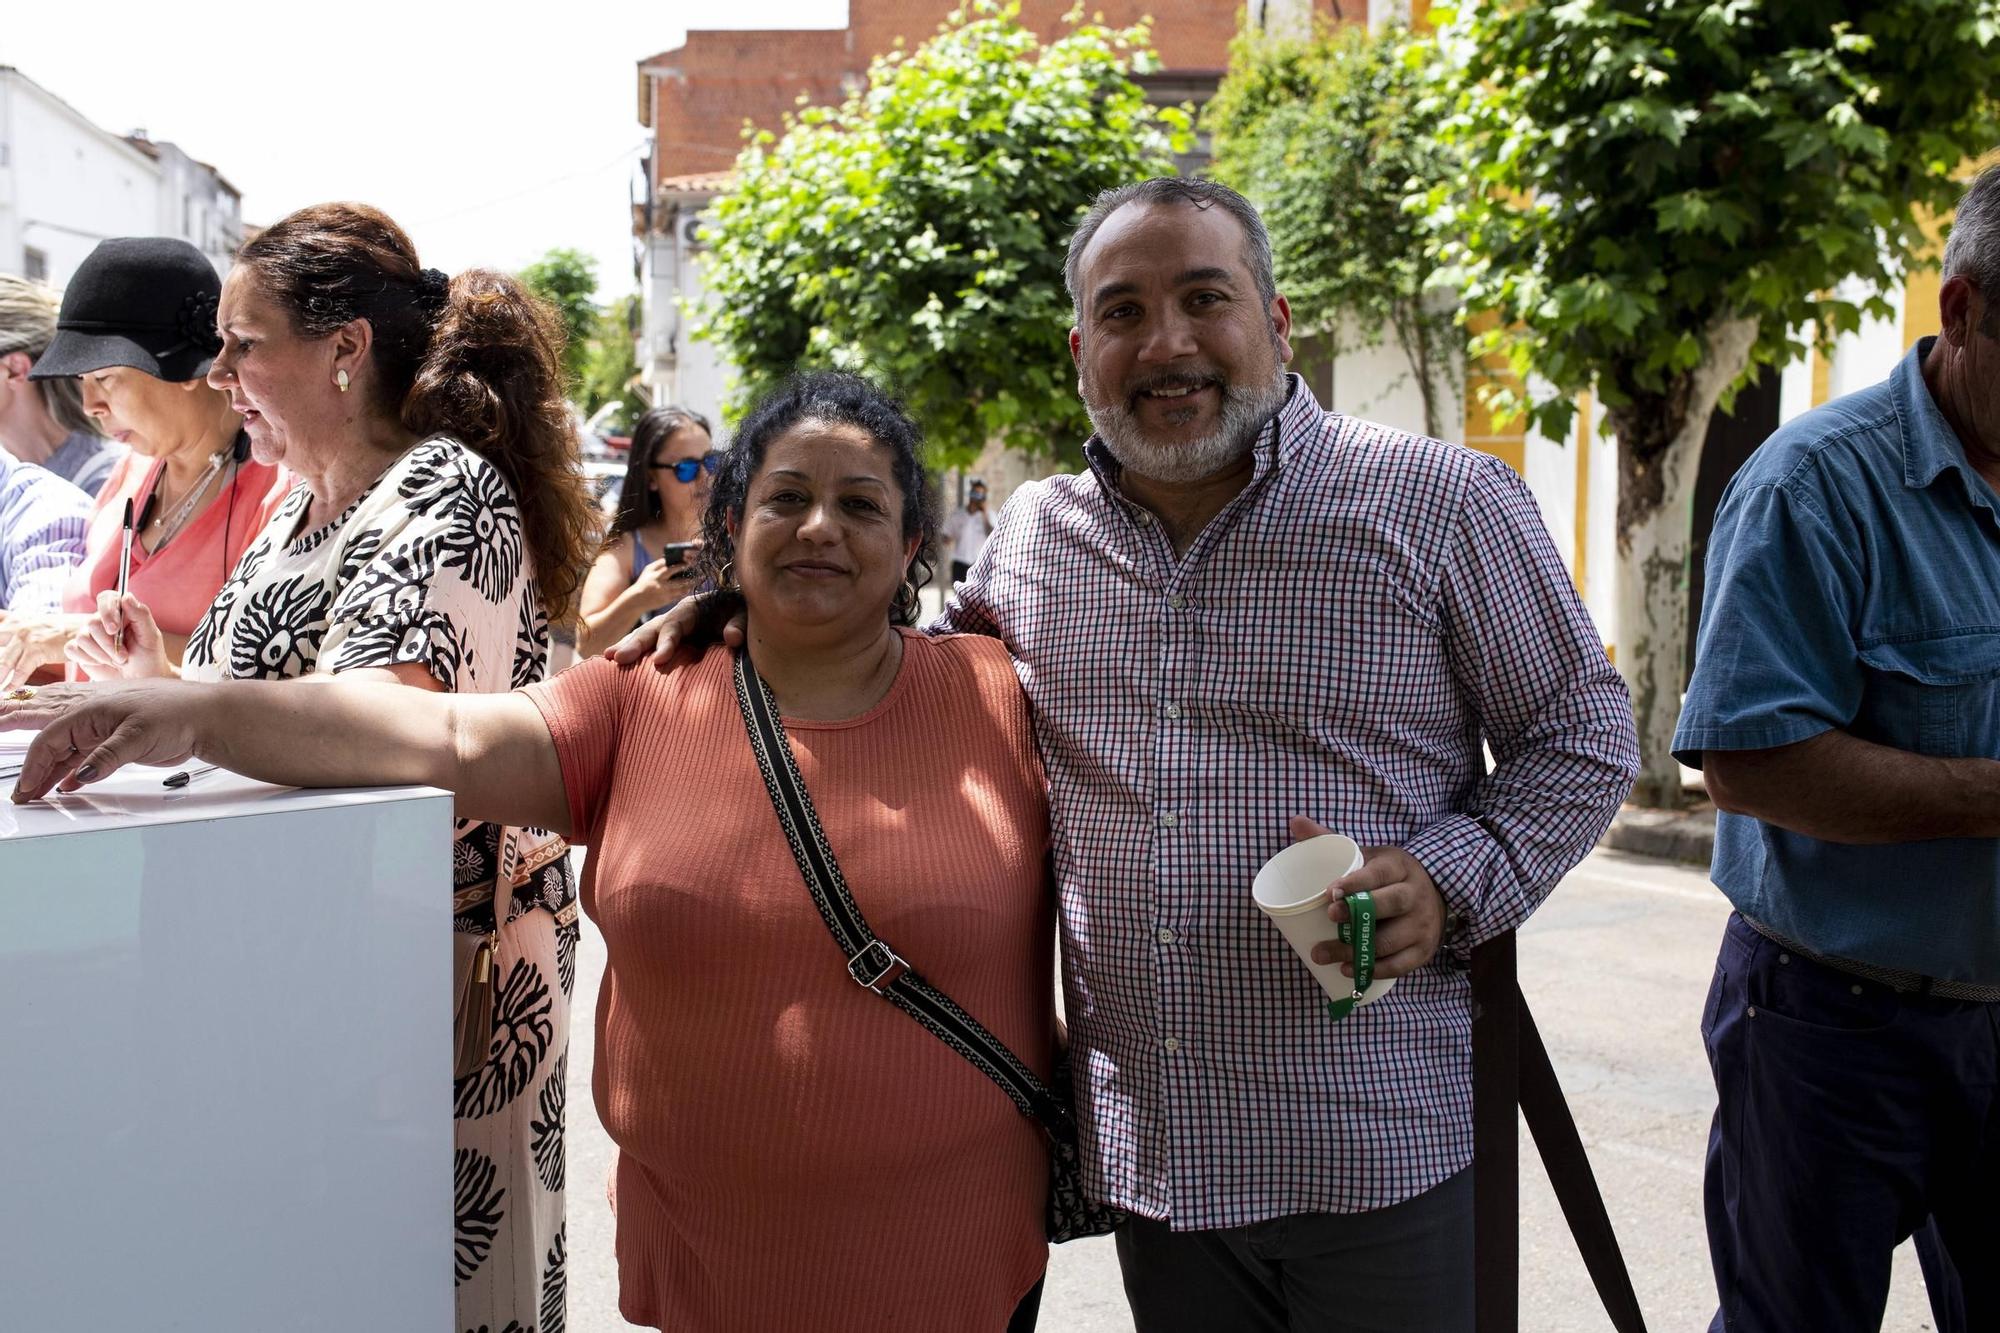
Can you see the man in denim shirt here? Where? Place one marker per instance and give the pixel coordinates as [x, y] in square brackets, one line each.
[1846, 709]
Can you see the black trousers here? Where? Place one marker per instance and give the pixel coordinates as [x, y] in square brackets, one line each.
[1849, 1117]
[1401, 1269]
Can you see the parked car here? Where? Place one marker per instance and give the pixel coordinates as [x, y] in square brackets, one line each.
[605, 478]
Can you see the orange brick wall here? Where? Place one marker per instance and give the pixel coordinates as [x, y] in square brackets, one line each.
[1188, 34]
[726, 78]
[718, 80]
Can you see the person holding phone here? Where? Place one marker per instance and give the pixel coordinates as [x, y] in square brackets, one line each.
[645, 567]
[967, 531]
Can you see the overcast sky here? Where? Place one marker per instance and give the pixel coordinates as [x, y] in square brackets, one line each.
[491, 132]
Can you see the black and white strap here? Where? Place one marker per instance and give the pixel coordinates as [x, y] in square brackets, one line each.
[870, 961]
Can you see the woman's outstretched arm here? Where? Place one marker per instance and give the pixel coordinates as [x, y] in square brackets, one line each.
[492, 750]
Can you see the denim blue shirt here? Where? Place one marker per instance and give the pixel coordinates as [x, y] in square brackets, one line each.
[1854, 583]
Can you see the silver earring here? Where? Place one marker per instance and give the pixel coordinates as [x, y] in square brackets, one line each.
[340, 378]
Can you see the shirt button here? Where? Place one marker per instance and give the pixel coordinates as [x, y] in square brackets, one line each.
[1784, 958]
[1173, 712]
[1177, 602]
[1855, 989]
[1166, 935]
[1172, 1044]
[1170, 820]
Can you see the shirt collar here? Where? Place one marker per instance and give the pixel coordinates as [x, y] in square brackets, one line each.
[1276, 444]
[1930, 446]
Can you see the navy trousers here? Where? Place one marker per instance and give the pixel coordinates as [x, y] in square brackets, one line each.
[1849, 1118]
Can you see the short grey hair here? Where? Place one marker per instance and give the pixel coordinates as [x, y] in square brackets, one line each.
[1172, 190]
[1972, 249]
[28, 311]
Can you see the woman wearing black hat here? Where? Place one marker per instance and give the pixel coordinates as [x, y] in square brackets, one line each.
[137, 333]
[441, 522]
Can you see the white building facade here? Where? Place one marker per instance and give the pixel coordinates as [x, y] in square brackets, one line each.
[674, 366]
[66, 184]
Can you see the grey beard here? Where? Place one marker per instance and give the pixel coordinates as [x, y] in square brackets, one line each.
[1244, 414]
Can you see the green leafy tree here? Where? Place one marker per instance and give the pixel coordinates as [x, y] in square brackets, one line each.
[1668, 194]
[611, 364]
[567, 279]
[1328, 138]
[917, 230]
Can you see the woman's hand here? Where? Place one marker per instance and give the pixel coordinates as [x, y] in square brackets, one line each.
[29, 642]
[120, 640]
[91, 731]
[664, 636]
[661, 584]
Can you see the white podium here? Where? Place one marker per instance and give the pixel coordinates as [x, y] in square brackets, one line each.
[225, 1059]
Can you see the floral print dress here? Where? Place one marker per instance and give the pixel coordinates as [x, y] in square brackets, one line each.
[430, 566]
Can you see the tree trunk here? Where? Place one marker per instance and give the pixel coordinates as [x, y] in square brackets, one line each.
[1414, 338]
[1659, 457]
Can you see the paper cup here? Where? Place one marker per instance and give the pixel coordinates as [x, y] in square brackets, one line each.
[1291, 891]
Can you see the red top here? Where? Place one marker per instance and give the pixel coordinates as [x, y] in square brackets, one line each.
[795, 1152]
[178, 583]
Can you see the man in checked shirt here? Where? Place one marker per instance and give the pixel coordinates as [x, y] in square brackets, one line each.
[1253, 621]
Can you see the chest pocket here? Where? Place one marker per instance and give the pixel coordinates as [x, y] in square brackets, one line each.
[1335, 651]
[1939, 696]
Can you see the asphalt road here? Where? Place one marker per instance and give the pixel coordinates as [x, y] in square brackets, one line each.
[1615, 969]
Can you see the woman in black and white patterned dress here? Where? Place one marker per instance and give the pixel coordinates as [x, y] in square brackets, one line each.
[439, 523]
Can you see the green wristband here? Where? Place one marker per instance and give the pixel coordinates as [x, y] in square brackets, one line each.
[1359, 931]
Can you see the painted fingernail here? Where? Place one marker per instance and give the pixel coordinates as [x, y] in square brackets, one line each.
[86, 773]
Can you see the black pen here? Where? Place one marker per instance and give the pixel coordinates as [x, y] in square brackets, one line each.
[125, 553]
[187, 775]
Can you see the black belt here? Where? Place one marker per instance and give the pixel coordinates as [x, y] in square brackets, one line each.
[1914, 983]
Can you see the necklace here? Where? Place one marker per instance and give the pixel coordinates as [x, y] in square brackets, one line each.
[172, 523]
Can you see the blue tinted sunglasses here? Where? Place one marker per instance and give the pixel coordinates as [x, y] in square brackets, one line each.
[689, 468]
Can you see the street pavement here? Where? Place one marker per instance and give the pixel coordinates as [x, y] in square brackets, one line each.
[1615, 968]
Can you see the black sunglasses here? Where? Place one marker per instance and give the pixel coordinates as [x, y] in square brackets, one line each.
[687, 469]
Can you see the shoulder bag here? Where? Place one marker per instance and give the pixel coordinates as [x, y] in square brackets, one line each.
[874, 965]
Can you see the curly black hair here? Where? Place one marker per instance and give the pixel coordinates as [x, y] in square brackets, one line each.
[835, 398]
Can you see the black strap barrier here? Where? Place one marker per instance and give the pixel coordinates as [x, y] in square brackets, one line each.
[1510, 1070]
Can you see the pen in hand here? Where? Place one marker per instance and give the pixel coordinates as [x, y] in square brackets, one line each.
[125, 552]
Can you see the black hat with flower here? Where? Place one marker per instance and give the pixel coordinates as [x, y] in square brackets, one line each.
[147, 302]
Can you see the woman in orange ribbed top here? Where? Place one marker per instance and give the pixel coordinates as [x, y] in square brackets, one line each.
[793, 1152]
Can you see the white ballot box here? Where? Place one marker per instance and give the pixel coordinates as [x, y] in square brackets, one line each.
[225, 1058]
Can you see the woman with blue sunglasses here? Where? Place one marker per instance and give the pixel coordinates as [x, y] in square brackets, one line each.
[646, 565]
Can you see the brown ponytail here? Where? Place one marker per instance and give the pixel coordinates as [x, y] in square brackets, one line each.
[480, 361]
[494, 380]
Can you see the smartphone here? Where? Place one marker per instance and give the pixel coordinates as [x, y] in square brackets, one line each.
[676, 553]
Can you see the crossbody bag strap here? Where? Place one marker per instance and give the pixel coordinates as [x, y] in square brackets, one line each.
[870, 961]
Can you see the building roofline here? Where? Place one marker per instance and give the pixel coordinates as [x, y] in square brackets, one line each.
[700, 184]
[118, 140]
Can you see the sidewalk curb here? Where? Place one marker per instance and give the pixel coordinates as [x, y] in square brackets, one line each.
[1671, 835]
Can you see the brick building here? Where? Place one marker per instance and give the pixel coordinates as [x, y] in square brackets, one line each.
[697, 98]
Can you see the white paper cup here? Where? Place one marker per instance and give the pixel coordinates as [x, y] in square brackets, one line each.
[1291, 891]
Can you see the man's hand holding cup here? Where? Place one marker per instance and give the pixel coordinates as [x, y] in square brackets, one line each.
[1409, 910]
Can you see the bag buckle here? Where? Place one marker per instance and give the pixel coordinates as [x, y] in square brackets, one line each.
[871, 967]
